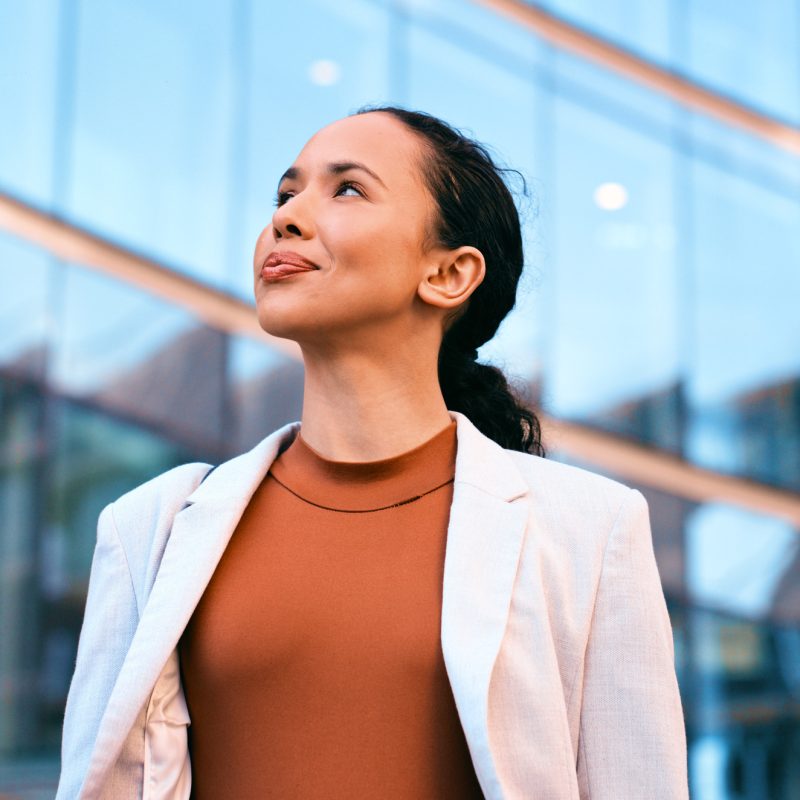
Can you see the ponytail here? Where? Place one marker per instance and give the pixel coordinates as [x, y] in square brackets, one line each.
[482, 393]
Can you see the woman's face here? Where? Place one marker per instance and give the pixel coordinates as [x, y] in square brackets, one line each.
[364, 231]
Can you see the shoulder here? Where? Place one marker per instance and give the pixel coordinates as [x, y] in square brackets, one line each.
[571, 498]
[142, 519]
[156, 501]
[560, 479]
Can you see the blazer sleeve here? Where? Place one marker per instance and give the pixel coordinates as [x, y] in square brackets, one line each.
[632, 740]
[109, 622]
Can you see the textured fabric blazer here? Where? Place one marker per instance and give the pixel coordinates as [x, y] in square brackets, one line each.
[555, 633]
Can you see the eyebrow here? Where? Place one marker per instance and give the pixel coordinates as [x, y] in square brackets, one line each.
[334, 168]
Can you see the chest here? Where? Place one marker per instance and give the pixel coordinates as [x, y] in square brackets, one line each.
[301, 590]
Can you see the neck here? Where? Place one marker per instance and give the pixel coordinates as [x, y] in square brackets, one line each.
[358, 407]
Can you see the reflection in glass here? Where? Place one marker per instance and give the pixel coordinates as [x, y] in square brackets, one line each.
[154, 108]
[29, 99]
[743, 388]
[741, 708]
[744, 50]
[613, 355]
[266, 392]
[122, 350]
[23, 459]
[739, 561]
[748, 51]
[26, 274]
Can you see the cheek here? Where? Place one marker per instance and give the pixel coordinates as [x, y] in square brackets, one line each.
[376, 248]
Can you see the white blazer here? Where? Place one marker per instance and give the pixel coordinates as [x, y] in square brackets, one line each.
[555, 632]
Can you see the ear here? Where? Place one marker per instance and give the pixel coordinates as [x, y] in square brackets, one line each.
[452, 277]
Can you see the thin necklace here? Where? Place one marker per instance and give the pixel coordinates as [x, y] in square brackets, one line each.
[363, 510]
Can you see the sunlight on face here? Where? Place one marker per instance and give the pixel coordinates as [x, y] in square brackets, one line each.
[365, 232]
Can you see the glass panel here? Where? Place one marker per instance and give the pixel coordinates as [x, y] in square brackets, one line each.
[741, 708]
[154, 110]
[747, 50]
[743, 387]
[480, 30]
[613, 351]
[296, 86]
[25, 276]
[609, 93]
[29, 53]
[266, 392]
[741, 562]
[22, 454]
[740, 151]
[122, 350]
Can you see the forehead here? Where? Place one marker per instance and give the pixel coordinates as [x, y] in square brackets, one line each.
[378, 140]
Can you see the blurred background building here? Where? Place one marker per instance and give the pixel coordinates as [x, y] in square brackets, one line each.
[657, 328]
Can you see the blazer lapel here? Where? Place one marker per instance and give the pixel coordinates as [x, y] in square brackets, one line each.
[200, 533]
[488, 521]
[484, 541]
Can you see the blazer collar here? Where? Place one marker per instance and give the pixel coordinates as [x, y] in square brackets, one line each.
[486, 529]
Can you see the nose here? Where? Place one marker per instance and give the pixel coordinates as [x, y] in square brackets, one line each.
[290, 220]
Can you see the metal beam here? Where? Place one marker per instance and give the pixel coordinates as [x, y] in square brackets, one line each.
[649, 466]
[69, 243]
[664, 81]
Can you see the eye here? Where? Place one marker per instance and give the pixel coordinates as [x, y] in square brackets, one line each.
[348, 185]
[283, 197]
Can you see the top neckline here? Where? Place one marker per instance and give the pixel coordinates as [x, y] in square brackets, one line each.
[352, 483]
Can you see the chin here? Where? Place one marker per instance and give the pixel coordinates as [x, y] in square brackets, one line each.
[276, 322]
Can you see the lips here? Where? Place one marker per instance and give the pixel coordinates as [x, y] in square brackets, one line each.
[281, 264]
[277, 273]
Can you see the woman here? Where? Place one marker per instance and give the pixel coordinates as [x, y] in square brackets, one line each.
[397, 596]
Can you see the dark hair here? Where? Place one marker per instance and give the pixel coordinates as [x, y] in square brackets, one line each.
[475, 207]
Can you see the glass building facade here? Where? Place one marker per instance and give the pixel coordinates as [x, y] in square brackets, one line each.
[658, 320]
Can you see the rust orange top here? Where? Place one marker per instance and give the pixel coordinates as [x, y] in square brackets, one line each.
[312, 665]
